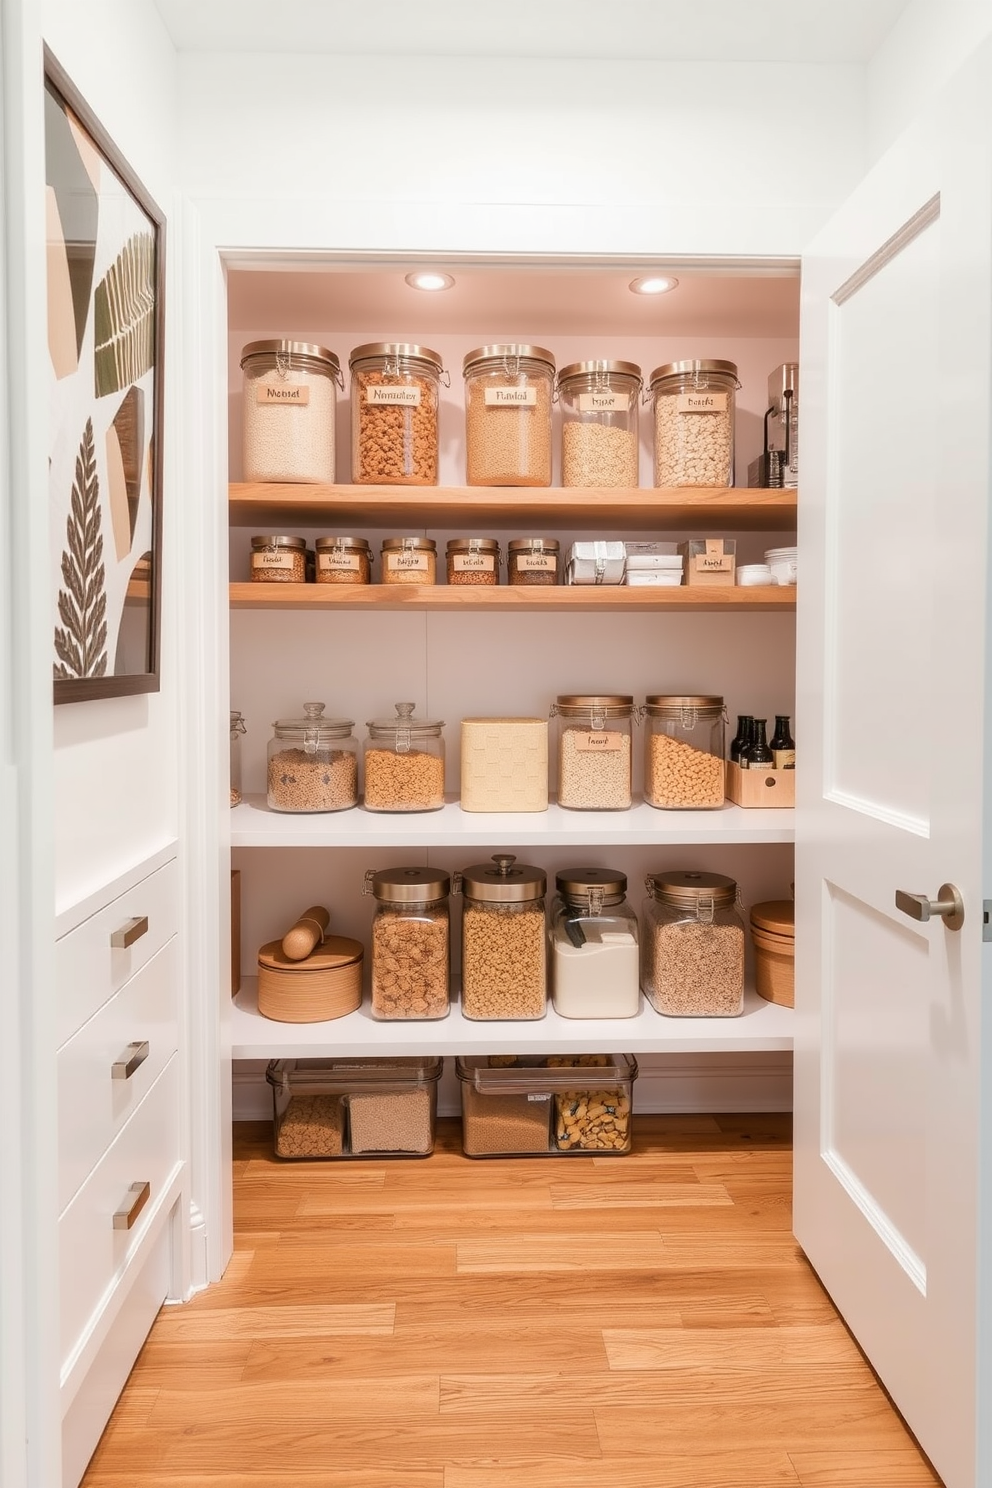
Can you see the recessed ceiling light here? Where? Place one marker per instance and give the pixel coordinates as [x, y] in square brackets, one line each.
[429, 279]
[653, 284]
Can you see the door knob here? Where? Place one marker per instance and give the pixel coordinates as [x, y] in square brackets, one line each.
[948, 904]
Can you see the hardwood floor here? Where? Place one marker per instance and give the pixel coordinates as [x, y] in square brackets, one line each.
[642, 1322]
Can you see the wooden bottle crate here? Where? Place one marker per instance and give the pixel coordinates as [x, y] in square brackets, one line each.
[760, 787]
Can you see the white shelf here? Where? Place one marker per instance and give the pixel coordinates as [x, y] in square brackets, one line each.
[761, 1027]
[254, 825]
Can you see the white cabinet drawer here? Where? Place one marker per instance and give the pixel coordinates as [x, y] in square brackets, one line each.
[93, 1105]
[91, 1251]
[89, 969]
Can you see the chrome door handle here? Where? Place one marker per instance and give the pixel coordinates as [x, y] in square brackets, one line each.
[133, 1056]
[137, 1197]
[129, 932]
[948, 905]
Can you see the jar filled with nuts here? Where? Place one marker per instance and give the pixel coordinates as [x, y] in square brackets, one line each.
[594, 741]
[599, 445]
[278, 560]
[473, 560]
[395, 389]
[404, 763]
[503, 940]
[508, 396]
[594, 956]
[409, 560]
[694, 423]
[532, 560]
[343, 560]
[237, 729]
[684, 737]
[312, 763]
[692, 963]
[409, 942]
[289, 400]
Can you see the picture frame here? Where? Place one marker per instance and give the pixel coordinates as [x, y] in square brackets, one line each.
[105, 276]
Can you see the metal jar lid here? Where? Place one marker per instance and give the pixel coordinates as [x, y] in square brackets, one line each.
[674, 705]
[403, 723]
[493, 358]
[694, 367]
[578, 884]
[533, 545]
[599, 369]
[298, 354]
[314, 728]
[604, 705]
[261, 543]
[330, 544]
[503, 881]
[397, 351]
[413, 544]
[685, 890]
[473, 545]
[409, 885]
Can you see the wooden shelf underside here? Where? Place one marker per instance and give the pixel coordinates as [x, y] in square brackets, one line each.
[249, 596]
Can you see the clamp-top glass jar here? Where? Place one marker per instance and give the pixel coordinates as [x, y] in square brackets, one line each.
[508, 394]
[594, 740]
[503, 940]
[473, 560]
[289, 401]
[693, 946]
[694, 423]
[237, 729]
[404, 762]
[395, 389]
[533, 560]
[343, 560]
[594, 955]
[312, 763]
[410, 943]
[599, 445]
[684, 739]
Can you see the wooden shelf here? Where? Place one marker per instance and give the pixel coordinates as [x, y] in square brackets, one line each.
[249, 596]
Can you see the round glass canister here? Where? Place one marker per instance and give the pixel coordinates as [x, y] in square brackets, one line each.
[684, 739]
[395, 389]
[599, 442]
[409, 560]
[404, 763]
[312, 763]
[503, 940]
[289, 400]
[508, 394]
[237, 729]
[694, 423]
[693, 945]
[343, 560]
[594, 954]
[532, 560]
[473, 560]
[278, 560]
[410, 940]
[594, 740]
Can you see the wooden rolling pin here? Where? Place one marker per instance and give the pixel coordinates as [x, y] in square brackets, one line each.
[308, 932]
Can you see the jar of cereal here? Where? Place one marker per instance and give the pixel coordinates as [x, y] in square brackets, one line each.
[395, 389]
[404, 763]
[594, 739]
[289, 400]
[508, 395]
[694, 423]
[312, 763]
[503, 940]
[684, 738]
[410, 942]
[599, 423]
[692, 962]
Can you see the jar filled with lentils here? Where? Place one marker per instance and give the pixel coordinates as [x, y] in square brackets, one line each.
[278, 560]
[312, 763]
[594, 742]
[692, 947]
[684, 742]
[508, 395]
[532, 560]
[503, 940]
[409, 560]
[694, 423]
[473, 560]
[599, 403]
[395, 388]
[410, 943]
[343, 560]
[404, 763]
[289, 399]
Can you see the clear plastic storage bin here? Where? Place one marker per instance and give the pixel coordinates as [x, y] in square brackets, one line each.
[350, 1108]
[546, 1105]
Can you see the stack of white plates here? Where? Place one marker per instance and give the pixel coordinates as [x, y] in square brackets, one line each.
[782, 562]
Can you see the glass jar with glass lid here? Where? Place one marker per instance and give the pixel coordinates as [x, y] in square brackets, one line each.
[404, 762]
[237, 729]
[692, 962]
[410, 942]
[508, 395]
[312, 763]
[599, 404]
[593, 937]
[684, 739]
[289, 400]
[694, 422]
[503, 940]
[395, 390]
[594, 743]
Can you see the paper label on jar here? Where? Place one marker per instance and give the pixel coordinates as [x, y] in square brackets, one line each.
[408, 562]
[604, 402]
[290, 394]
[536, 562]
[279, 559]
[473, 562]
[701, 403]
[600, 743]
[409, 397]
[508, 397]
[332, 562]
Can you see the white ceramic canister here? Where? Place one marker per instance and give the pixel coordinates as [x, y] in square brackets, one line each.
[782, 562]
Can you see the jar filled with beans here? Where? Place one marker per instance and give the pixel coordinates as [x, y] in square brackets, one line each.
[278, 560]
[694, 423]
[289, 401]
[503, 940]
[409, 560]
[532, 560]
[312, 763]
[599, 444]
[343, 560]
[410, 943]
[594, 747]
[473, 560]
[404, 763]
[692, 947]
[395, 389]
[508, 395]
[684, 739]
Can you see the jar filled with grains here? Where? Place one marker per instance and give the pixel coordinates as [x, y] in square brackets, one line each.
[237, 729]
[594, 745]
[343, 560]
[503, 940]
[278, 560]
[410, 942]
[409, 560]
[532, 560]
[404, 763]
[312, 763]
[289, 400]
[473, 560]
[599, 445]
[508, 395]
[594, 955]
[694, 423]
[395, 389]
[692, 962]
[684, 738]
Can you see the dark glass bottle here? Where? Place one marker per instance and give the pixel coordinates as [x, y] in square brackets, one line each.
[742, 738]
[783, 745]
[758, 754]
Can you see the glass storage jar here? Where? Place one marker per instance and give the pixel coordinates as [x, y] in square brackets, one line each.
[395, 389]
[289, 399]
[473, 560]
[599, 443]
[409, 560]
[684, 738]
[594, 955]
[278, 560]
[508, 395]
[694, 423]
[312, 763]
[693, 946]
[594, 741]
[343, 560]
[404, 763]
[503, 940]
[532, 560]
[410, 941]
[237, 729]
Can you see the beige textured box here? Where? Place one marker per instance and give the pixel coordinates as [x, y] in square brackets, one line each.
[504, 764]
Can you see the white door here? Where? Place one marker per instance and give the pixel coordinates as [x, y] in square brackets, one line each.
[894, 488]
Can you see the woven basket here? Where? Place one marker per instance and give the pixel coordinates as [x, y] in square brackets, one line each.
[327, 984]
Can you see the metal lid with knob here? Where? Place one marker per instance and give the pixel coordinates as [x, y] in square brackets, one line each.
[690, 889]
[503, 881]
[407, 885]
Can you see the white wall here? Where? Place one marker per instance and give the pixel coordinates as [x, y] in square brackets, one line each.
[929, 42]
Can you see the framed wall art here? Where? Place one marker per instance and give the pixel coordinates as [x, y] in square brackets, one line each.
[105, 278]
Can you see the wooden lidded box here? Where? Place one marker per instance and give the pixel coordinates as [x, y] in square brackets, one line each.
[326, 984]
[773, 930]
[504, 764]
[760, 787]
[710, 561]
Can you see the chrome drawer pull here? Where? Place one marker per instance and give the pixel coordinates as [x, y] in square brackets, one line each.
[134, 1056]
[133, 930]
[139, 1194]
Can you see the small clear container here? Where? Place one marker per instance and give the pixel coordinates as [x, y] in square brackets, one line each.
[473, 560]
[410, 943]
[594, 946]
[312, 763]
[289, 401]
[404, 762]
[343, 560]
[684, 751]
[692, 962]
[237, 729]
[694, 423]
[504, 954]
[341, 1108]
[278, 560]
[599, 439]
[409, 560]
[558, 1105]
[594, 746]
[395, 390]
[509, 390]
[533, 560]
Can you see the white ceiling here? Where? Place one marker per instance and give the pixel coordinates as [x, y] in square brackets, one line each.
[606, 30]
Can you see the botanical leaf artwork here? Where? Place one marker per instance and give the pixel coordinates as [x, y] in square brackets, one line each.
[82, 645]
[124, 317]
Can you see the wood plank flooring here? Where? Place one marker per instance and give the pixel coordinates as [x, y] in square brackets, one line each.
[643, 1322]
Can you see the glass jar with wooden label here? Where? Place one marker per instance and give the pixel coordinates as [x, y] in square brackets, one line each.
[594, 748]
[473, 560]
[599, 402]
[278, 560]
[409, 560]
[343, 560]
[508, 395]
[395, 390]
[533, 560]
[289, 403]
[694, 422]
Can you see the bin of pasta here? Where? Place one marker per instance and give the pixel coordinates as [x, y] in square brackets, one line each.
[553, 1105]
[410, 942]
[312, 763]
[395, 389]
[692, 945]
[503, 940]
[404, 762]
[353, 1108]
[684, 736]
